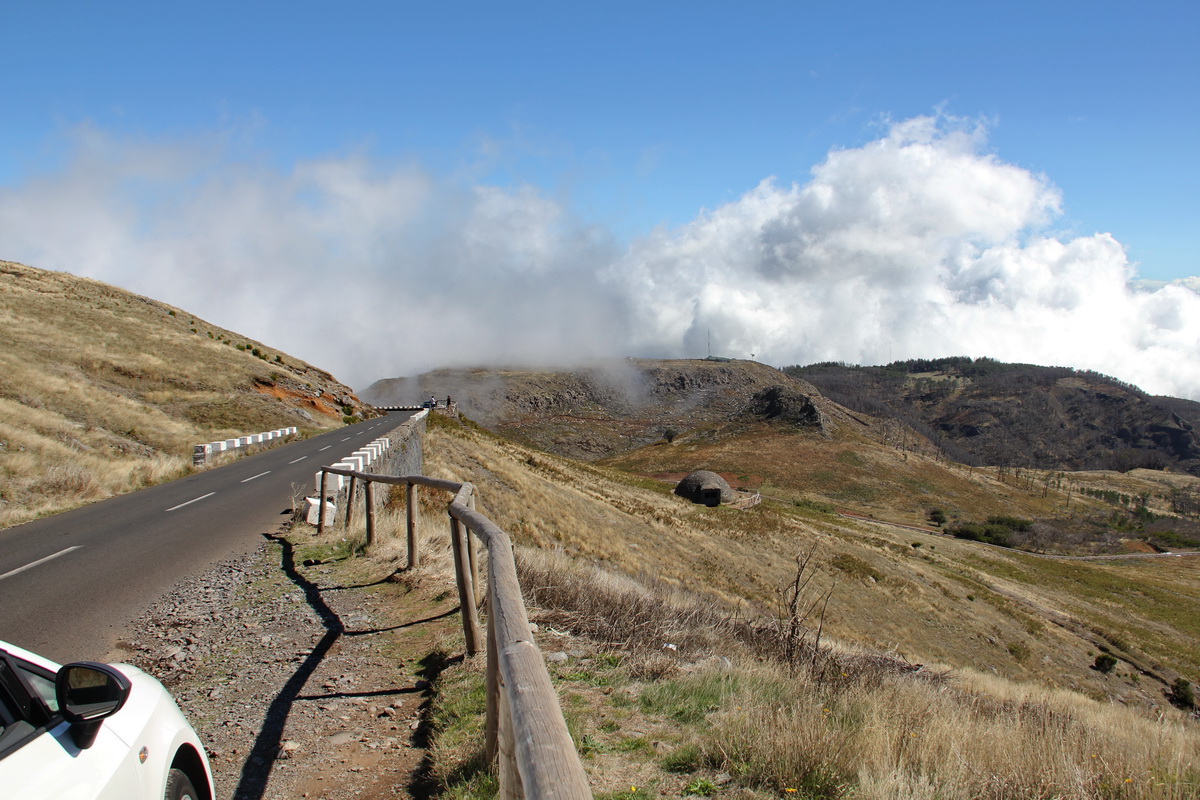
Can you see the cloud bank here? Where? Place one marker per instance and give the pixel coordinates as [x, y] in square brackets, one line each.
[918, 244]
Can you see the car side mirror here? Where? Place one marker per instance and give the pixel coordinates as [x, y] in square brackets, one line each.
[88, 693]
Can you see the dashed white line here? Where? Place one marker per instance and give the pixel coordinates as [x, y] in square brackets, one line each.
[33, 564]
[346, 439]
[189, 502]
[259, 475]
[326, 447]
[298, 460]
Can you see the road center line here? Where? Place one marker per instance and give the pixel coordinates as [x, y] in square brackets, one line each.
[259, 475]
[346, 439]
[298, 460]
[189, 502]
[33, 564]
[326, 447]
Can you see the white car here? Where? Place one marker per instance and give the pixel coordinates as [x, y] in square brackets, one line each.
[89, 731]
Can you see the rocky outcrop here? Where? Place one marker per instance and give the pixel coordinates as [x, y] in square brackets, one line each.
[786, 405]
[605, 408]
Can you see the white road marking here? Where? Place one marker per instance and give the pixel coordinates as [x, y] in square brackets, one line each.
[259, 475]
[298, 460]
[33, 564]
[189, 502]
[326, 447]
[346, 439]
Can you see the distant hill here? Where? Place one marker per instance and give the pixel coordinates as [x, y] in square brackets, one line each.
[596, 411]
[981, 411]
[102, 390]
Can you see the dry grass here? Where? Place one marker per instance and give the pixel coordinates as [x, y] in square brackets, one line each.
[103, 391]
[851, 723]
[622, 568]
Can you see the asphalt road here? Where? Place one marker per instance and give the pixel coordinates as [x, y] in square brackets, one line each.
[71, 584]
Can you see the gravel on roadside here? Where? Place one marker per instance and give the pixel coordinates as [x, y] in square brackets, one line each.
[303, 681]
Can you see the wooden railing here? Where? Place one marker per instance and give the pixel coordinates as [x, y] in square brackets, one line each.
[525, 733]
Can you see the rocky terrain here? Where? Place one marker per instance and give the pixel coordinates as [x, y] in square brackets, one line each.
[596, 411]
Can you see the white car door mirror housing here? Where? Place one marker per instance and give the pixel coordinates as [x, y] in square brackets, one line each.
[88, 693]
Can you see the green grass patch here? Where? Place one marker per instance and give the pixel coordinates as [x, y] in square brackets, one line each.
[690, 699]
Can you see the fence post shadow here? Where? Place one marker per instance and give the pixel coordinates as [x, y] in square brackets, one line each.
[256, 769]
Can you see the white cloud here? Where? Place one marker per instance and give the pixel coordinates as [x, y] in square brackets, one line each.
[918, 244]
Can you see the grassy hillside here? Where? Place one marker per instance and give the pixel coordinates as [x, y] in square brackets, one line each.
[103, 391]
[1008, 704]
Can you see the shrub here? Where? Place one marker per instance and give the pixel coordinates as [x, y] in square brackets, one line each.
[1011, 523]
[1105, 663]
[989, 534]
[937, 516]
[815, 505]
[669, 434]
[1182, 694]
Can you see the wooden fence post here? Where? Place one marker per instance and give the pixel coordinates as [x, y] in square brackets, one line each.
[350, 500]
[370, 501]
[321, 503]
[414, 555]
[466, 592]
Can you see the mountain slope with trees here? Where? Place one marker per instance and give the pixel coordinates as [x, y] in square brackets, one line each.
[981, 411]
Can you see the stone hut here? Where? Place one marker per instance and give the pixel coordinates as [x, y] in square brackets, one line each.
[705, 487]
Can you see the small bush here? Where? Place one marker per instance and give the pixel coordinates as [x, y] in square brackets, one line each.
[1182, 694]
[815, 505]
[1105, 663]
[989, 534]
[1011, 523]
[937, 516]
[669, 434]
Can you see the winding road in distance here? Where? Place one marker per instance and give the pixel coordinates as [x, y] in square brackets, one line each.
[70, 584]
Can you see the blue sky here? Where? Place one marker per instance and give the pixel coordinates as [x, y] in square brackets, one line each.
[641, 113]
[627, 118]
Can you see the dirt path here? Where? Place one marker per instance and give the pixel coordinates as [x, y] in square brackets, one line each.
[303, 680]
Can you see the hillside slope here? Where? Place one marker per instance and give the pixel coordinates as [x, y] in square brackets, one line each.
[102, 390]
[930, 597]
[986, 412]
[598, 410]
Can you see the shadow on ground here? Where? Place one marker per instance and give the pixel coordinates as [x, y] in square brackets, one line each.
[256, 770]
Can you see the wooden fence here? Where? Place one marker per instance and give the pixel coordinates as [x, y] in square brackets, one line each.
[525, 734]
